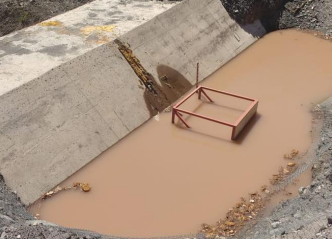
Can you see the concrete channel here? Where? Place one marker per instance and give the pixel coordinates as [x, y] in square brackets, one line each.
[186, 177]
[55, 123]
[69, 93]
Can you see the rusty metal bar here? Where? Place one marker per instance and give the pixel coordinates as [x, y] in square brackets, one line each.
[173, 115]
[200, 89]
[182, 120]
[206, 118]
[206, 95]
[227, 93]
[186, 98]
[197, 72]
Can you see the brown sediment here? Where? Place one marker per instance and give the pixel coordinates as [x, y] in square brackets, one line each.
[246, 211]
[166, 180]
[258, 205]
[292, 154]
[237, 217]
[85, 187]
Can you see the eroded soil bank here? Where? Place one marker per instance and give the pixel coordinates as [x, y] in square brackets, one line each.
[165, 180]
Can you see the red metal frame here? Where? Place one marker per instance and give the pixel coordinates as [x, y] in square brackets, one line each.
[241, 122]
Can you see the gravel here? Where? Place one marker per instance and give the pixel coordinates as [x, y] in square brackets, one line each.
[304, 14]
[247, 11]
[309, 214]
[11, 209]
[282, 14]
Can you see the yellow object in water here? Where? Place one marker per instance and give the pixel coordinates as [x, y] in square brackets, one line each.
[85, 187]
[51, 24]
[89, 29]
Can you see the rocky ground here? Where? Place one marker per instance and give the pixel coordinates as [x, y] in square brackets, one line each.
[307, 14]
[282, 14]
[308, 216]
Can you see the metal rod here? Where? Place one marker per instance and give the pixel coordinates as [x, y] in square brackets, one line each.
[173, 115]
[182, 101]
[197, 73]
[206, 95]
[207, 118]
[183, 121]
[200, 89]
[227, 93]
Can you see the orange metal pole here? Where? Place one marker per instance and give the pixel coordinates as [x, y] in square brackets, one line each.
[206, 95]
[182, 120]
[227, 93]
[197, 73]
[186, 98]
[206, 118]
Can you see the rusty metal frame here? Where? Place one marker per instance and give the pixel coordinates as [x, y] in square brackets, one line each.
[240, 122]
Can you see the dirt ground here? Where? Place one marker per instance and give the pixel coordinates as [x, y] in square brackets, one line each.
[17, 14]
[308, 216]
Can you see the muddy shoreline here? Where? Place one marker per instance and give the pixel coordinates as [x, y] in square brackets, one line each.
[306, 215]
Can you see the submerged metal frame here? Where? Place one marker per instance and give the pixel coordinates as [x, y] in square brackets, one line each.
[239, 124]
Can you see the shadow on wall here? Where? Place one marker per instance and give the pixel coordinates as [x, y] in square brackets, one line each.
[173, 86]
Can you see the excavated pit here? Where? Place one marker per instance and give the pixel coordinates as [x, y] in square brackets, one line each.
[164, 179]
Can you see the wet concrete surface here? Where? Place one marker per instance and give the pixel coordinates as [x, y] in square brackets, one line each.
[165, 180]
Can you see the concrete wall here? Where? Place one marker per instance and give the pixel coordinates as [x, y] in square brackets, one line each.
[191, 32]
[38, 49]
[54, 125]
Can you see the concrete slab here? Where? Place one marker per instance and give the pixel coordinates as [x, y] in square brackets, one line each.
[192, 32]
[50, 134]
[59, 111]
[31, 52]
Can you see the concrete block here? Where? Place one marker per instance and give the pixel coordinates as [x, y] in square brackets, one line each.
[58, 156]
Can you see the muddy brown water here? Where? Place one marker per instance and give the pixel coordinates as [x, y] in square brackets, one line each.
[166, 180]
